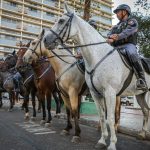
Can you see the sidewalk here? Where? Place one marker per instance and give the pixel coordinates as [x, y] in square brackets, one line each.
[131, 121]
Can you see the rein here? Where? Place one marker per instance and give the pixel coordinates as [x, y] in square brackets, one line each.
[84, 45]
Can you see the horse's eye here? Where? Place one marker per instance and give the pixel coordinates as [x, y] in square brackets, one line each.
[33, 43]
[61, 21]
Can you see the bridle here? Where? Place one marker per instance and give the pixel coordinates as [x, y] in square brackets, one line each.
[67, 27]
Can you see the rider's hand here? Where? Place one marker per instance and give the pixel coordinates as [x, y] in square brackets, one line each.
[110, 41]
[78, 56]
[114, 36]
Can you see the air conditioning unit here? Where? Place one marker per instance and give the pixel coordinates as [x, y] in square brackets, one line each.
[18, 26]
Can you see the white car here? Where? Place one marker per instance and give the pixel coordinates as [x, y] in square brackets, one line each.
[128, 100]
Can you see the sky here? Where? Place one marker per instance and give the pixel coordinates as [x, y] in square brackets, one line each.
[118, 2]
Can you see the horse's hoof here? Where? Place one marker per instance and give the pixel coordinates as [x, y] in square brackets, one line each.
[33, 118]
[141, 135]
[10, 110]
[101, 146]
[47, 125]
[39, 110]
[42, 122]
[76, 139]
[57, 116]
[26, 118]
[64, 132]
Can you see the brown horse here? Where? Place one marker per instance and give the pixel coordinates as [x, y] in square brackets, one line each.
[45, 82]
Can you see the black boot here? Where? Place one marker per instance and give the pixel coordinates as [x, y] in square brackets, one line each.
[141, 83]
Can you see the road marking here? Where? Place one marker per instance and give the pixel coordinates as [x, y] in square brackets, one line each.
[35, 128]
[45, 132]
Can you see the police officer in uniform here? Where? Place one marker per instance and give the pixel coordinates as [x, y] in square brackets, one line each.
[124, 36]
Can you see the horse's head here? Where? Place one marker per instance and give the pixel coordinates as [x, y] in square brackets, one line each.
[36, 49]
[11, 60]
[64, 28]
[20, 63]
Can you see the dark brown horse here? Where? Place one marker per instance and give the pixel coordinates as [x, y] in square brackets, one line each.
[6, 78]
[45, 82]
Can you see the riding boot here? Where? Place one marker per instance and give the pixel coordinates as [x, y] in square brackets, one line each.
[139, 72]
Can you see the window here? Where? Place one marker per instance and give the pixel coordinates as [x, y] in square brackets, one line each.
[32, 9]
[49, 14]
[13, 4]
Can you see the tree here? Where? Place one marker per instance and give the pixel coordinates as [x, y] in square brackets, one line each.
[144, 28]
[87, 6]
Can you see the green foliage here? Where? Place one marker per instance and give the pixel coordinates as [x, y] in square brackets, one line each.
[144, 28]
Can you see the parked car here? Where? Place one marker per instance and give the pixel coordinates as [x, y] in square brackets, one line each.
[127, 100]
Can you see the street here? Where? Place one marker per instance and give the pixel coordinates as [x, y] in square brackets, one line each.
[16, 134]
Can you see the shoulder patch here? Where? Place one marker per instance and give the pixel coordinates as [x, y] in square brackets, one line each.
[131, 22]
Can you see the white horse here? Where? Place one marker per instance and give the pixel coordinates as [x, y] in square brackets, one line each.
[104, 80]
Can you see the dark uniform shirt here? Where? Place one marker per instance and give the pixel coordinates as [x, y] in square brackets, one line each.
[126, 30]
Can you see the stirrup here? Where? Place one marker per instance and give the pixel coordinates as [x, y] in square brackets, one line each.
[141, 85]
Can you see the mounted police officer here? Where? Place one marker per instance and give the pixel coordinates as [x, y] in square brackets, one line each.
[124, 36]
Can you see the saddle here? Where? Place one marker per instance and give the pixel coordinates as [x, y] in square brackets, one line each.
[81, 65]
[145, 61]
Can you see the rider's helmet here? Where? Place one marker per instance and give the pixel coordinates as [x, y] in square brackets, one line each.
[123, 7]
[92, 23]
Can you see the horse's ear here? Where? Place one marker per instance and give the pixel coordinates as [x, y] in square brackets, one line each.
[41, 34]
[67, 9]
[20, 43]
[28, 44]
[14, 52]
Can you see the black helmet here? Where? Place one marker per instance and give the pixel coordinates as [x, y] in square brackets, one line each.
[92, 23]
[123, 7]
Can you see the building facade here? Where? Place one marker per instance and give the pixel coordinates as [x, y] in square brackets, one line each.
[22, 20]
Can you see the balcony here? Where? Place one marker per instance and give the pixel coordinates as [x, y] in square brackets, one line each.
[101, 19]
[33, 29]
[33, 14]
[49, 17]
[106, 9]
[8, 42]
[50, 3]
[12, 8]
[39, 1]
[9, 24]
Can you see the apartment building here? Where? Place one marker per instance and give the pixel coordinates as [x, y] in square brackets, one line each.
[22, 20]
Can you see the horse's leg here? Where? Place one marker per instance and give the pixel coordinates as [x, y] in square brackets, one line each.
[11, 101]
[1, 102]
[110, 97]
[39, 102]
[117, 112]
[73, 94]
[25, 104]
[33, 104]
[42, 100]
[13, 97]
[100, 104]
[16, 96]
[69, 125]
[58, 104]
[141, 100]
[48, 98]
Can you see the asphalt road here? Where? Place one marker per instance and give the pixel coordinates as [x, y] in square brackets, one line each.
[16, 134]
